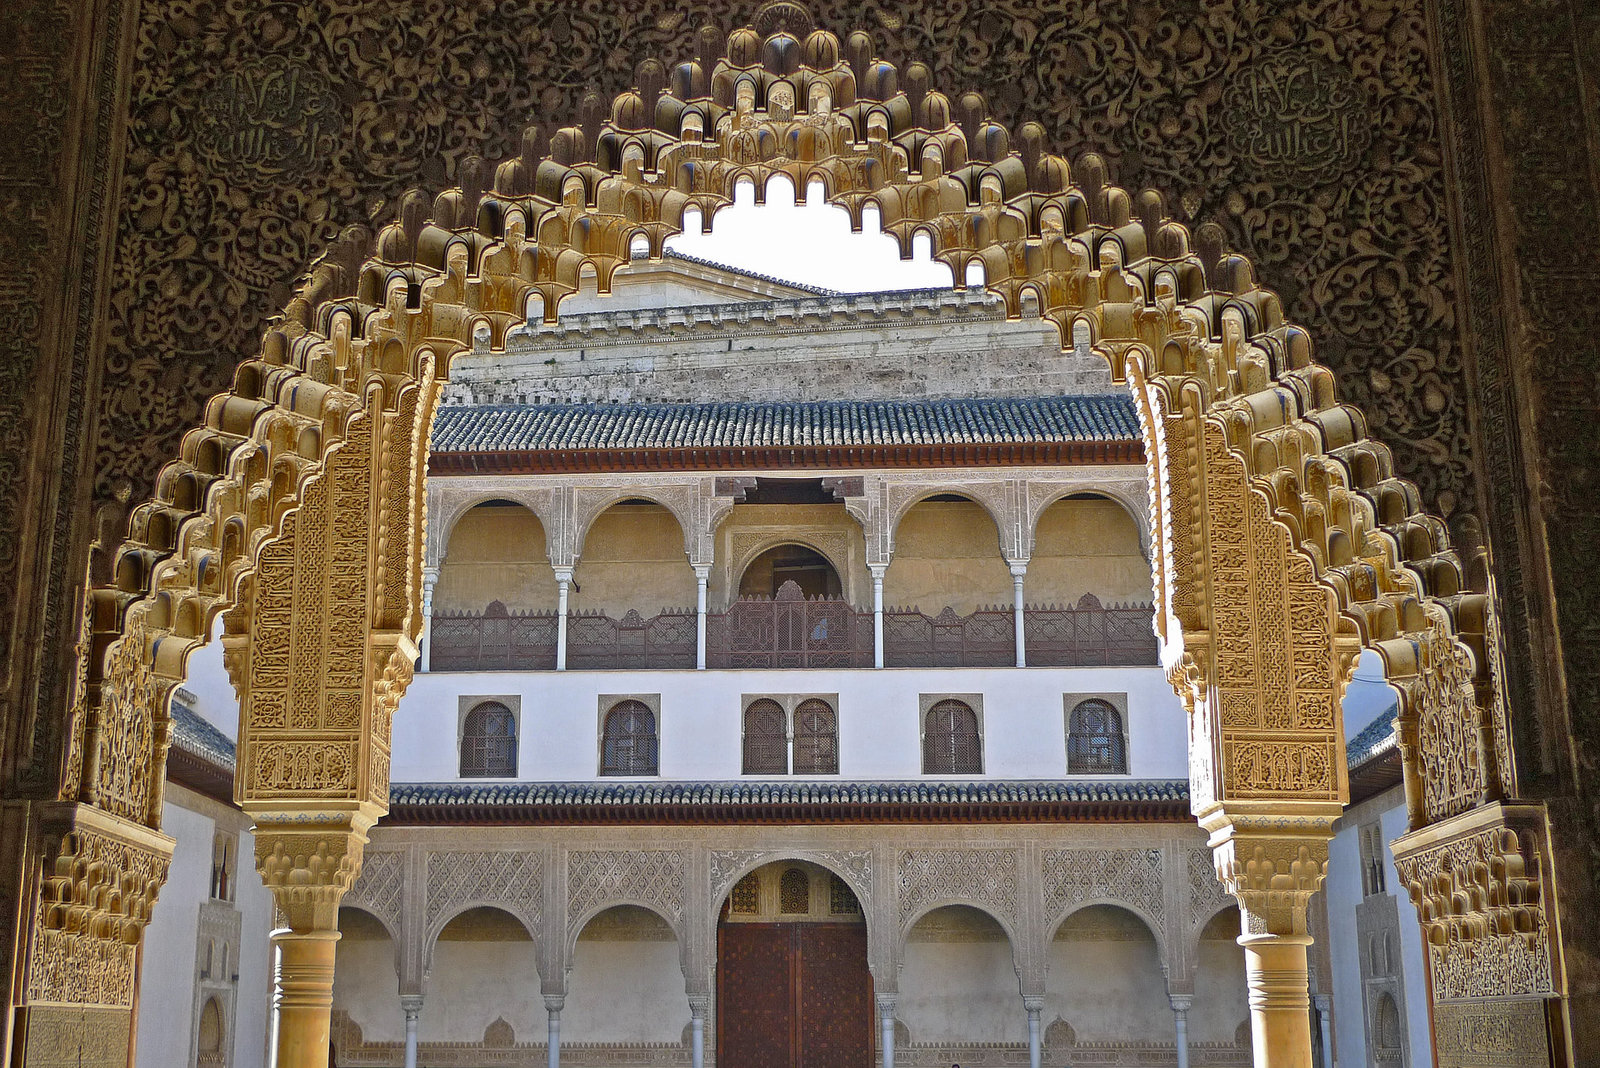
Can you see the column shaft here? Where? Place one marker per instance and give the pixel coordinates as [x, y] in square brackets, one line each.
[553, 1036]
[877, 615]
[701, 575]
[1018, 571]
[304, 996]
[886, 1035]
[697, 1041]
[430, 576]
[1280, 1002]
[413, 1009]
[563, 586]
[1035, 1039]
[1180, 1027]
[1324, 1005]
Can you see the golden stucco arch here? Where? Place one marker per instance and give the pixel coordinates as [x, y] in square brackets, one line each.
[1284, 543]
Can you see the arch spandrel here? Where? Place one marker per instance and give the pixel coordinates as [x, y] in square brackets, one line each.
[1245, 438]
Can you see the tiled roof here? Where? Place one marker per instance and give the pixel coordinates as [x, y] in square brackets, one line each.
[674, 254]
[193, 734]
[1011, 420]
[1375, 739]
[786, 803]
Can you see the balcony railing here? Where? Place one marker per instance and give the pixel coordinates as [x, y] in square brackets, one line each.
[793, 632]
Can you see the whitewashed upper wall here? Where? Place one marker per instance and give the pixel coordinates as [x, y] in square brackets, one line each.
[1022, 717]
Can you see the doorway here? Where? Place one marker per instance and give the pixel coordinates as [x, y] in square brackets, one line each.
[793, 989]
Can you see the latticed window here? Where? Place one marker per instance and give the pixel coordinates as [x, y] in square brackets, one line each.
[766, 742]
[1387, 1039]
[746, 897]
[950, 742]
[629, 745]
[794, 893]
[489, 741]
[841, 901]
[1095, 745]
[816, 738]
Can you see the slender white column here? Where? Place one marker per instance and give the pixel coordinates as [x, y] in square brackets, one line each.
[563, 587]
[697, 1031]
[877, 612]
[430, 575]
[1017, 572]
[411, 1005]
[702, 573]
[552, 1007]
[1324, 1007]
[1034, 1003]
[1180, 1024]
[886, 1037]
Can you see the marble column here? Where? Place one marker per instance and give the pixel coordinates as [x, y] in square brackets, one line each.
[430, 576]
[411, 1005]
[304, 996]
[702, 575]
[563, 588]
[1275, 969]
[886, 1005]
[1180, 1025]
[878, 571]
[552, 1006]
[697, 1029]
[1017, 573]
[1323, 1003]
[1034, 1003]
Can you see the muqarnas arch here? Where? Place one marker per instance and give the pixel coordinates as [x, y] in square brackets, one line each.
[1283, 542]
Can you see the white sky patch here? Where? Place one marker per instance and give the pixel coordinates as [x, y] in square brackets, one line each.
[809, 243]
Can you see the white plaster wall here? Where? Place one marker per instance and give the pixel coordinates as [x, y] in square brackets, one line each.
[253, 1002]
[366, 985]
[1105, 979]
[879, 730]
[963, 988]
[1221, 998]
[1343, 887]
[167, 967]
[625, 991]
[169, 957]
[473, 983]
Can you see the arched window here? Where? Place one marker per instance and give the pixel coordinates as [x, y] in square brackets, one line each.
[794, 893]
[210, 1038]
[489, 741]
[816, 738]
[766, 740]
[1387, 1038]
[1095, 745]
[746, 897]
[950, 742]
[629, 745]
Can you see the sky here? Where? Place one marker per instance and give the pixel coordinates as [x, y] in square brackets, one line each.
[809, 243]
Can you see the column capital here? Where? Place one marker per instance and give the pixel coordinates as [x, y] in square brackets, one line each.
[411, 1005]
[878, 570]
[1034, 1003]
[554, 1002]
[1181, 1003]
[564, 574]
[430, 573]
[308, 867]
[886, 1004]
[1272, 862]
[698, 1004]
[1019, 568]
[702, 572]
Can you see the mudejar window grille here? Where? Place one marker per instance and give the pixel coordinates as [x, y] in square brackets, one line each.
[629, 743]
[1095, 743]
[950, 741]
[816, 738]
[489, 742]
[766, 739]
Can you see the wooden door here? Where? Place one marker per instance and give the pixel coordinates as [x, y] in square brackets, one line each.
[793, 995]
